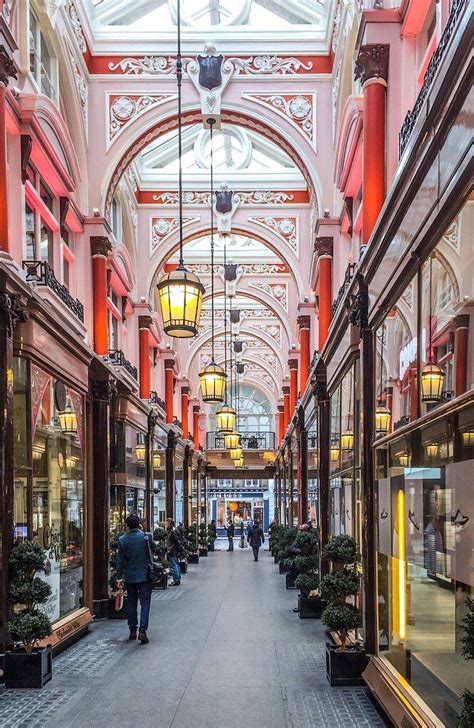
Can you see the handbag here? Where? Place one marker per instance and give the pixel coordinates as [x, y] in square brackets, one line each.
[155, 568]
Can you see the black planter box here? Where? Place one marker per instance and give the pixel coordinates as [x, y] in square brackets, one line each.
[183, 565]
[193, 559]
[309, 607]
[281, 567]
[276, 558]
[345, 667]
[210, 547]
[202, 552]
[112, 614]
[290, 580]
[162, 582]
[23, 670]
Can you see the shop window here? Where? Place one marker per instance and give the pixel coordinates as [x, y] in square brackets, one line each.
[46, 244]
[39, 222]
[42, 62]
[21, 448]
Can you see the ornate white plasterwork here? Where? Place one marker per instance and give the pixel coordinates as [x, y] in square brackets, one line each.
[264, 65]
[76, 26]
[81, 86]
[266, 269]
[272, 330]
[278, 291]
[163, 227]
[253, 197]
[299, 109]
[7, 10]
[287, 228]
[451, 235]
[124, 108]
[407, 296]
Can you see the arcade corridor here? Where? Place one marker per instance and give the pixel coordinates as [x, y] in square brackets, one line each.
[226, 651]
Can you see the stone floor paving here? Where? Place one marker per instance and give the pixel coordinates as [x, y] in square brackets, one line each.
[226, 649]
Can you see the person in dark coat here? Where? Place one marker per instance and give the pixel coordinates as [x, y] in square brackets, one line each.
[133, 568]
[230, 528]
[175, 549]
[256, 538]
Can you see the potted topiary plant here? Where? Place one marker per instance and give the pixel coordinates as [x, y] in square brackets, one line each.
[182, 536]
[344, 665]
[28, 665]
[202, 539]
[466, 719]
[160, 551]
[117, 606]
[307, 581]
[211, 536]
[192, 547]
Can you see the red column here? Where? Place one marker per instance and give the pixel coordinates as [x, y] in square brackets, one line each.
[7, 71]
[286, 408]
[325, 298]
[169, 388]
[293, 365]
[304, 323]
[184, 411]
[460, 353]
[281, 422]
[144, 323]
[372, 69]
[196, 426]
[100, 247]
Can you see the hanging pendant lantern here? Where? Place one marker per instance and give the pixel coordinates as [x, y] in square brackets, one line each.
[156, 459]
[180, 292]
[140, 448]
[468, 438]
[334, 450]
[403, 459]
[225, 417]
[232, 440]
[432, 379]
[347, 440]
[213, 379]
[239, 463]
[383, 418]
[68, 420]
[432, 450]
[236, 453]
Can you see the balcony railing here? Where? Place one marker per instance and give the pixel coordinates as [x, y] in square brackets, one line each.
[348, 276]
[412, 116]
[40, 273]
[117, 357]
[249, 440]
[154, 399]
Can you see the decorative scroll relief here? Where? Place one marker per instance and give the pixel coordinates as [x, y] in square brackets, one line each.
[277, 291]
[285, 227]
[264, 65]
[266, 269]
[124, 108]
[451, 236]
[253, 197]
[76, 25]
[271, 330]
[7, 11]
[81, 86]
[299, 109]
[163, 227]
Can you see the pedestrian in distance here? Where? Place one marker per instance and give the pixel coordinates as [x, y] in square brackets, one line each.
[175, 550]
[133, 567]
[242, 543]
[230, 529]
[255, 538]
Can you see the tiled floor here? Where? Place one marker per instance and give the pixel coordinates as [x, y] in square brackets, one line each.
[226, 649]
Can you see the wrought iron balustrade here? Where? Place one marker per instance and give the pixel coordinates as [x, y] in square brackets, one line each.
[435, 62]
[177, 423]
[404, 420]
[155, 399]
[117, 357]
[248, 440]
[40, 273]
[348, 276]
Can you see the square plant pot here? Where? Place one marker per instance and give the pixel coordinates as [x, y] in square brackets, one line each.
[345, 667]
[202, 552]
[309, 607]
[210, 547]
[183, 565]
[193, 559]
[281, 567]
[112, 614]
[290, 580]
[162, 582]
[23, 670]
[276, 558]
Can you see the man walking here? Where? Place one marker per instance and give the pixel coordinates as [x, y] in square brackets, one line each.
[174, 551]
[133, 567]
[255, 538]
[230, 528]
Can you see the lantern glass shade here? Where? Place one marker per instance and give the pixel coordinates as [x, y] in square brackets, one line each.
[432, 450]
[468, 438]
[334, 451]
[236, 453]
[156, 459]
[225, 417]
[180, 293]
[232, 440]
[403, 460]
[239, 462]
[383, 417]
[68, 420]
[213, 379]
[432, 379]
[140, 448]
[347, 440]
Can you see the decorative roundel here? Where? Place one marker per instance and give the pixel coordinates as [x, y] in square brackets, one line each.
[123, 108]
[286, 227]
[299, 107]
[162, 227]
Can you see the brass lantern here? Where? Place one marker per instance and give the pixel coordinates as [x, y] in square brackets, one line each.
[140, 448]
[432, 378]
[432, 450]
[334, 450]
[239, 463]
[225, 417]
[232, 440]
[383, 418]
[347, 440]
[236, 453]
[68, 420]
[403, 459]
[213, 379]
[156, 459]
[468, 438]
[180, 293]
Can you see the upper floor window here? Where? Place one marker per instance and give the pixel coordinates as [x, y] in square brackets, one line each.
[42, 61]
[116, 218]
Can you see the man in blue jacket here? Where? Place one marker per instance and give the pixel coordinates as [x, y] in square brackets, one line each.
[133, 568]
